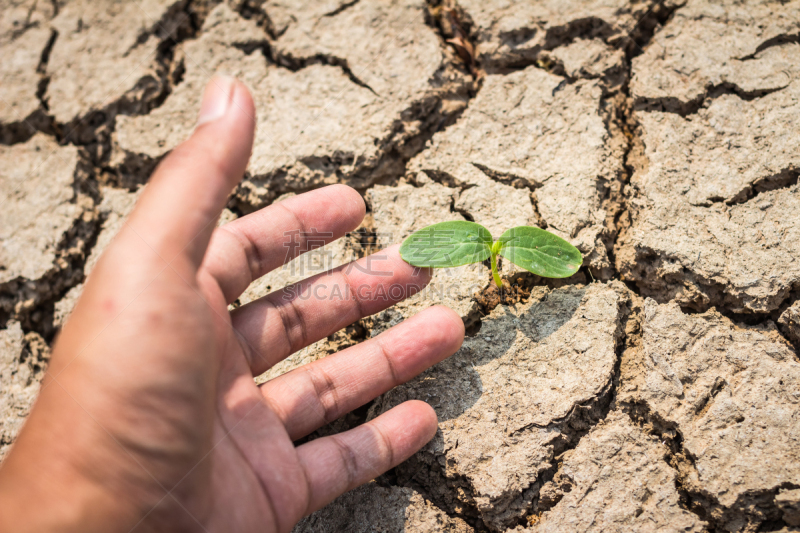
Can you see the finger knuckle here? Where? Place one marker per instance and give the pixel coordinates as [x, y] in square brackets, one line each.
[325, 392]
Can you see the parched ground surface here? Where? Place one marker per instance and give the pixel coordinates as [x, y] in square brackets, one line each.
[656, 390]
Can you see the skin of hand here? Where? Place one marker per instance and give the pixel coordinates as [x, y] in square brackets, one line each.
[149, 418]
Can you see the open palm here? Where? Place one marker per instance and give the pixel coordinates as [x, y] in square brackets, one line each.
[149, 417]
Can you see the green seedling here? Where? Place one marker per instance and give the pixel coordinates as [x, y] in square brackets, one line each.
[458, 243]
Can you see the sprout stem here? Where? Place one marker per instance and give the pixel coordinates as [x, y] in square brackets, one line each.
[494, 271]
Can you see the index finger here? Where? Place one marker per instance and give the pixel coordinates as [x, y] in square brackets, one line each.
[242, 251]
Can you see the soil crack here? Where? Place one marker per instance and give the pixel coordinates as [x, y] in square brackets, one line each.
[298, 63]
[778, 40]
[670, 104]
[341, 8]
[254, 10]
[618, 113]
[677, 458]
[22, 130]
[784, 179]
[507, 178]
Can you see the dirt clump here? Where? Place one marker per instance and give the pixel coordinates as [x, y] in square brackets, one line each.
[493, 296]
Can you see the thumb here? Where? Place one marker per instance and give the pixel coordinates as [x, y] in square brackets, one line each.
[178, 210]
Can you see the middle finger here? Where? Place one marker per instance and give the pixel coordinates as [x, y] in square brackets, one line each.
[284, 321]
[320, 392]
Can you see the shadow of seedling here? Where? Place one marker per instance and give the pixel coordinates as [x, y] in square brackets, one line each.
[453, 386]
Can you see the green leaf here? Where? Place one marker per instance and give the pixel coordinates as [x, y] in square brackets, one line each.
[447, 244]
[540, 252]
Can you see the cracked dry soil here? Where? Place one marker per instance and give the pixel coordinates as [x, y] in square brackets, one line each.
[656, 390]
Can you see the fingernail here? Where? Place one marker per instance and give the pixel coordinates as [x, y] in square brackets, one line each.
[216, 99]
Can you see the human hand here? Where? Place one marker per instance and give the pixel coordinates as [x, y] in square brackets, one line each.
[149, 417]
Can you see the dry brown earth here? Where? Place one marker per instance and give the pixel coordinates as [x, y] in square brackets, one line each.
[657, 390]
